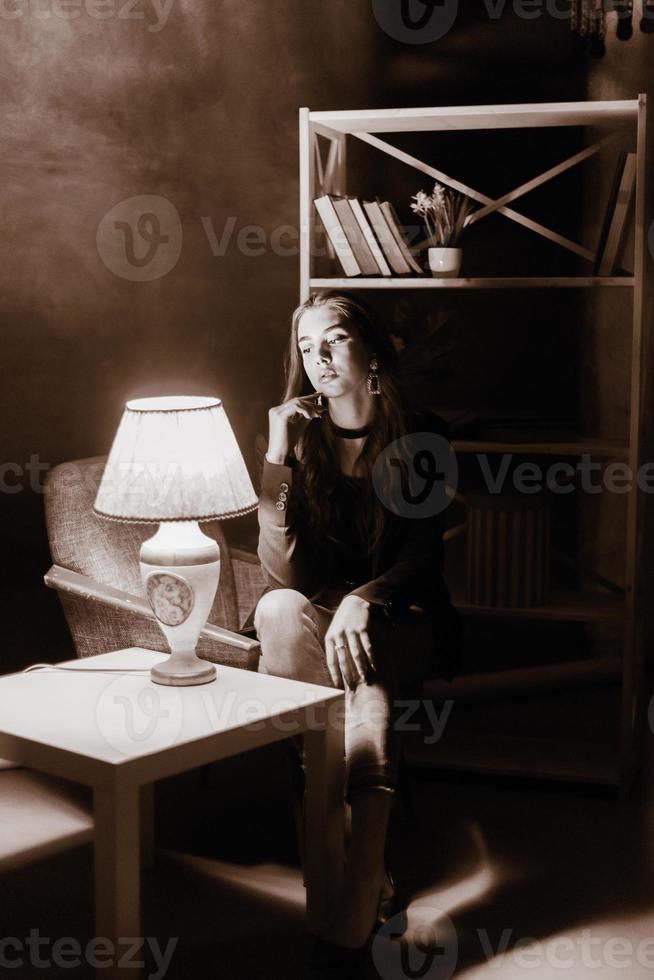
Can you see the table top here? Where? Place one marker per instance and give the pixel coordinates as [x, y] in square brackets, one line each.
[106, 710]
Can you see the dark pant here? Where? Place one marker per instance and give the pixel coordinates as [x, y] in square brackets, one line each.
[291, 630]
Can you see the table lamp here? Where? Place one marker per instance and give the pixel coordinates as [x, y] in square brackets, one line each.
[175, 462]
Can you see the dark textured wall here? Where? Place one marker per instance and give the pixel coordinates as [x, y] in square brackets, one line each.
[203, 113]
[199, 109]
[196, 104]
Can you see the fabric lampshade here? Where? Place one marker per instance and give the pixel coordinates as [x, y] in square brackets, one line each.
[174, 459]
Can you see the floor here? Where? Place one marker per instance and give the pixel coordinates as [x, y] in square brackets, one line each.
[507, 878]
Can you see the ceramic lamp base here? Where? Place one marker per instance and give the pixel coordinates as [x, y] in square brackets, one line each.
[180, 568]
[179, 671]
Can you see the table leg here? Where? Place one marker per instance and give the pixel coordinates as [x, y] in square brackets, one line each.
[117, 884]
[324, 818]
[147, 826]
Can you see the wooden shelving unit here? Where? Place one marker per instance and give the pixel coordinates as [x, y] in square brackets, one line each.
[518, 282]
[504, 755]
[595, 447]
[565, 607]
[613, 765]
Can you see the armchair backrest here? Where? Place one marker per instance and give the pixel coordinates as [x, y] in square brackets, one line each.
[108, 551]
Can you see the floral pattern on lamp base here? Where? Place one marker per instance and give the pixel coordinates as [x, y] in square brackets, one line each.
[171, 597]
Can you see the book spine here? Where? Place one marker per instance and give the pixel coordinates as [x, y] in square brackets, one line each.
[358, 244]
[369, 235]
[337, 236]
[394, 225]
[385, 238]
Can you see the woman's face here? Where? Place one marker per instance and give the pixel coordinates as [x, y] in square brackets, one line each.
[334, 355]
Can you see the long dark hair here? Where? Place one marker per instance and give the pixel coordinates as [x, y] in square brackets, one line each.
[317, 447]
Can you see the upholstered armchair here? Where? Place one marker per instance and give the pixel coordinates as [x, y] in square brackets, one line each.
[96, 572]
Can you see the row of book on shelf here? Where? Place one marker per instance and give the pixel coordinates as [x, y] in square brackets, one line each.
[368, 240]
[366, 236]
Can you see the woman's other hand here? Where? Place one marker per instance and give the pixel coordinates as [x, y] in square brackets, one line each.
[287, 422]
[347, 643]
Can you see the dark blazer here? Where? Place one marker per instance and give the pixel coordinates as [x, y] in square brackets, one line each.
[407, 564]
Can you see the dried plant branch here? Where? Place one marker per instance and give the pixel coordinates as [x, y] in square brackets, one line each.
[444, 212]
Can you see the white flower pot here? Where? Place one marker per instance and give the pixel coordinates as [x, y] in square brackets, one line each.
[444, 262]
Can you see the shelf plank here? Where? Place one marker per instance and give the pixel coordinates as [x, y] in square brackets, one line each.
[509, 116]
[526, 681]
[516, 282]
[484, 752]
[573, 607]
[595, 447]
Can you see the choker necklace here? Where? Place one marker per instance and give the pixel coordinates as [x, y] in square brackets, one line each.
[351, 433]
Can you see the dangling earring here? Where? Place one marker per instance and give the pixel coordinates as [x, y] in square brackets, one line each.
[372, 381]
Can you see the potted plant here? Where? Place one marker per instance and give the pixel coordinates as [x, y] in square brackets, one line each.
[444, 212]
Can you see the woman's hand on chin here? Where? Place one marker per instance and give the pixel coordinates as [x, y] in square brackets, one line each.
[347, 643]
[287, 422]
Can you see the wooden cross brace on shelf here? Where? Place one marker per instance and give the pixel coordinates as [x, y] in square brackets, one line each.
[330, 175]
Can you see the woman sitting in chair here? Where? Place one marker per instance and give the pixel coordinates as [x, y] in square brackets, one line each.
[356, 596]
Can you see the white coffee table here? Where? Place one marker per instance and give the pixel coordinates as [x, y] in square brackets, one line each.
[102, 722]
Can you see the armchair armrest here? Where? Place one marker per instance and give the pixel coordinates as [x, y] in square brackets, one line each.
[84, 587]
[238, 554]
